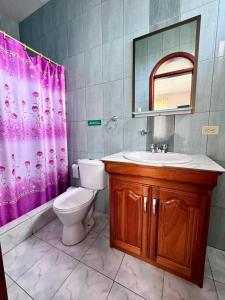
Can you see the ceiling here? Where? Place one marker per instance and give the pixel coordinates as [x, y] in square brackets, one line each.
[18, 10]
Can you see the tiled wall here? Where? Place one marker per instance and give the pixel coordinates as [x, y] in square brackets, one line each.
[9, 26]
[93, 39]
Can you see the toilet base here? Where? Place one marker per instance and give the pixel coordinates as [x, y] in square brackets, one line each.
[73, 235]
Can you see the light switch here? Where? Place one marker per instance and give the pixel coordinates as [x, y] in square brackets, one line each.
[210, 130]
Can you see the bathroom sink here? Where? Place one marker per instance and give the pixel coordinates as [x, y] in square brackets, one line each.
[158, 158]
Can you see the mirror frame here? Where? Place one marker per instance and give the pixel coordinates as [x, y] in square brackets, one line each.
[194, 77]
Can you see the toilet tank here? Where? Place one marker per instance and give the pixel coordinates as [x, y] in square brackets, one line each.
[91, 174]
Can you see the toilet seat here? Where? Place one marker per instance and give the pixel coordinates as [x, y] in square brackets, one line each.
[73, 199]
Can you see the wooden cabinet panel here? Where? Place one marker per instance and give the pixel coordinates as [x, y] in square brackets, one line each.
[127, 215]
[177, 226]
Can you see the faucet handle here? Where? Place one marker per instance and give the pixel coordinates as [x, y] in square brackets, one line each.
[164, 148]
[152, 148]
[144, 132]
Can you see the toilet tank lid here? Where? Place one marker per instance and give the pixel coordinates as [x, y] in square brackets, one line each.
[94, 162]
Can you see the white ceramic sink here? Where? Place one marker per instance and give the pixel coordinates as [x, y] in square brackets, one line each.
[158, 158]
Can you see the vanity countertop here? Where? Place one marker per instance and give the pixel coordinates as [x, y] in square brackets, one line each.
[199, 162]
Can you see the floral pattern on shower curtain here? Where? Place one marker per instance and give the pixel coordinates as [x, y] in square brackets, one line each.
[33, 144]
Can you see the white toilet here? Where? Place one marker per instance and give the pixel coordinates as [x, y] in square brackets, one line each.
[74, 208]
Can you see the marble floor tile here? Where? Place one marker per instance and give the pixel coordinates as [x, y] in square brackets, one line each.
[8, 281]
[78, 250]
[220, 290]
[46, 276]
[217, 263]
[84, 283]
[13, 237]
[118, 292]
[105, 231]
[208, 272]
[51, 233]
[103, 258]
[140, 277]
[176, 288]
[16, 293]
[24, 256]
[101, 220]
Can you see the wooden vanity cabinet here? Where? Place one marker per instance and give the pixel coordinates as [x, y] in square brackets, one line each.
[161, 215]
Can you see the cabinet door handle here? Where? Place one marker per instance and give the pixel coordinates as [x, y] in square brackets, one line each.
[154, 204]
[145, 204]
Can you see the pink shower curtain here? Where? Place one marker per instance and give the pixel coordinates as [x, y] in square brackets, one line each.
[33, 145]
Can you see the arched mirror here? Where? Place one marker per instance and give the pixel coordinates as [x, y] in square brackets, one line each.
[170, 82]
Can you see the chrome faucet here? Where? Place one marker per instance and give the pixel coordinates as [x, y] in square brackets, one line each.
[158, 148]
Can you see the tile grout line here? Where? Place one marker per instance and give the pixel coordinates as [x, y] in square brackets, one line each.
[114, 281]
[164, 272]
[15, 282]
[65, 280]
[130, 290]
[212, 276]
[115, 277]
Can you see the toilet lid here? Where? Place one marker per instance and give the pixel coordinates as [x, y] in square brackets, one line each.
[73, 198]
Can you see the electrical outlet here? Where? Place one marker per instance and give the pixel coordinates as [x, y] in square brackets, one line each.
[221, 48]
[210, 130]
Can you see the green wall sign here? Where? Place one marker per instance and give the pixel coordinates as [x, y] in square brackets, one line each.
[94, 122]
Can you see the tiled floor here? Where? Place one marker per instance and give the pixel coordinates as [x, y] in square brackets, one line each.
[42, 268]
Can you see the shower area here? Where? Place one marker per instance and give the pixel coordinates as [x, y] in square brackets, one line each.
[33, 137]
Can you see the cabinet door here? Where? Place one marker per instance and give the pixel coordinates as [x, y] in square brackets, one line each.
[173, 230]
[126, 215]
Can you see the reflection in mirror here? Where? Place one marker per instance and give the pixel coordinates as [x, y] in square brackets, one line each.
[165, 69]
[170, 82]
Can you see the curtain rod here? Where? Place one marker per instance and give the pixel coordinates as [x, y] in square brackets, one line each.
[29, 48]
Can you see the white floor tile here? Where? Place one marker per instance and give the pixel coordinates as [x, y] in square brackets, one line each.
[220, 290]
[103, 258]
[176, 288]
[208, 272]
[16, 293]
[106, 231]
[46, 276]
[84, 283]
[118, 292]
[24, 256]
[140, 277]
[217, 263]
